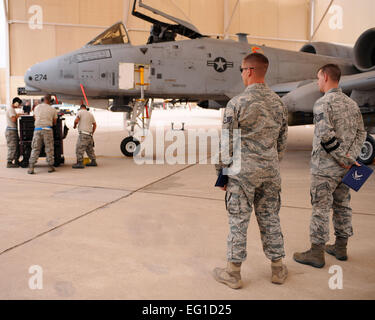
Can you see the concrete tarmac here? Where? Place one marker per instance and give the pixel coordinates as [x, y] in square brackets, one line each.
[156, 231]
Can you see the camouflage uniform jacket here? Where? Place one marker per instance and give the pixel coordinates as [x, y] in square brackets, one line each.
[263, 120]
[339, 133]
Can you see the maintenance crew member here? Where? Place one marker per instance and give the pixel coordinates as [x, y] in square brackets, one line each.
[263, 120]
[45, 117]
[27, 108]
[11, 134]
[86, 128]
[338, 137]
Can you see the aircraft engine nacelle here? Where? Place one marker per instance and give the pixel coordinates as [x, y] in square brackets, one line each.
[364, 51]
[328, 49]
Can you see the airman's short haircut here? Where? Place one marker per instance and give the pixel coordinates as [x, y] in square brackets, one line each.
[17, 100]
[332, 71]
[259, 60]
[47, 98]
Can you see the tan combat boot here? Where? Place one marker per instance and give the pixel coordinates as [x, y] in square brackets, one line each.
[51, 169]
[78, 165]
[313, 257]
[92, 164]
[338, 249]
[230, 275]
[279, 272]
[31, 169]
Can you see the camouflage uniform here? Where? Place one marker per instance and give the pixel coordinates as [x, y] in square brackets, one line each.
[11, 135]
[12, 139]
[85, 142]
[45, 116]
[42, 136]
[338, 137]
[262, 118]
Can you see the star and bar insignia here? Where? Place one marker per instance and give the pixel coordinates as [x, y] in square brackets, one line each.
[220, 64]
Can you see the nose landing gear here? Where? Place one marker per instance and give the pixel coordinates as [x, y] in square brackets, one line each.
[140, 117]
[130, 146]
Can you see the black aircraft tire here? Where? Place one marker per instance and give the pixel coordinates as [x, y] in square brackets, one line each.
[368, 151]
[130, 146]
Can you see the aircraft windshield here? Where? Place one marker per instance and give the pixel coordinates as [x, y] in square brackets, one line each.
[113, 35]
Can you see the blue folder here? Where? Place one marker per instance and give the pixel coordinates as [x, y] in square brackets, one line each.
[357, 176]
[222, 180]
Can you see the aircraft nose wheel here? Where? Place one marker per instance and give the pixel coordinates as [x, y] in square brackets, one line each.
[368, 151]
[130, 146]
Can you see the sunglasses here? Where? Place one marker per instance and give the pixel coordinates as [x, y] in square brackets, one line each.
[242, 69]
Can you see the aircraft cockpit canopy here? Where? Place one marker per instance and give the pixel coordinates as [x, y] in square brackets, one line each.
[115, 34]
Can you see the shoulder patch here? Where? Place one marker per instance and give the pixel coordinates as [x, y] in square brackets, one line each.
[319, 117]
[227, 119]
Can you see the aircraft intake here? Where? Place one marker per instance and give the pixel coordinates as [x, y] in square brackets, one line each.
[364, 51]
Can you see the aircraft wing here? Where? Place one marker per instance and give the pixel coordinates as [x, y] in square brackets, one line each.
[283, 88]
[360, 87]
[359, 81]
[300, 96]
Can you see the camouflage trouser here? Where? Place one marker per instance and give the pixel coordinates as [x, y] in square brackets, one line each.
[13, 145]
[85, 142]
[40, 137]
[327, 193]
[266, 201]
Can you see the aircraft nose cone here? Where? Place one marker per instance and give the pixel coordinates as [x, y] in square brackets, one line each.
[39, 75]
[36, 78]
[28, 77]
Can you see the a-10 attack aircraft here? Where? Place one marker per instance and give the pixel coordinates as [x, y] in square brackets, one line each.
[111, 73]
